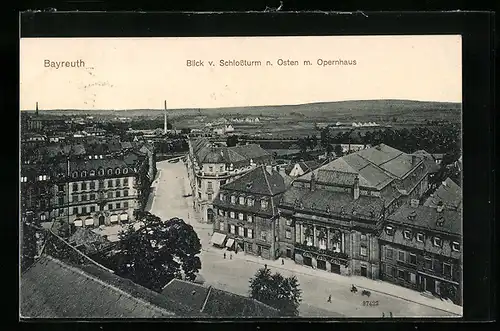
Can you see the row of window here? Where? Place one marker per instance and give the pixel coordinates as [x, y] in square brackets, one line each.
[401, 274]
[240, 230]
[420, 237]
[249, 201]
[92, 209]
[411, 258]
[234, 215]
[38, 178]
[100, 172]
[93, 196]
[92, 184]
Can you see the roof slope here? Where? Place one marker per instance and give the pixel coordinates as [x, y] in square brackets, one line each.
[215, 302]
[258, 181]
[449, 193]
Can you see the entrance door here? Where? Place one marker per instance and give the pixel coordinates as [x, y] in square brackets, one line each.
[321, 264]
[210, 216]
[335, 268]
[364, 271]
[289, 253]
[429, 285]
[101, 220]
[308, 261]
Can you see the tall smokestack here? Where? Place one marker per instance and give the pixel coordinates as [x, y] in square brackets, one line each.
[165, 121]
[37, 108]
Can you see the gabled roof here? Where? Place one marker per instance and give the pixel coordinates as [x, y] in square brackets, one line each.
[449, 193]
[215, 302]
[258, 181]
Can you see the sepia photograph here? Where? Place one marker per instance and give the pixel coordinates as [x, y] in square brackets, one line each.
[241, 177]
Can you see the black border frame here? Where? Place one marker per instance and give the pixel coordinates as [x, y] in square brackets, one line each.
[478, 43]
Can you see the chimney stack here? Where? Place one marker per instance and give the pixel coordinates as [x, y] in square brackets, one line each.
[165, 120]
[356, 188]
[37, 108]
[313, 181]
[440, 207]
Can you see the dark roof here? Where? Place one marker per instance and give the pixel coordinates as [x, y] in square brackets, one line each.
[205, 152]
[92, 241]
[53, 289]
[336, 202]
[258, 181]
[427, 218]
[449, 193]
[215, 302]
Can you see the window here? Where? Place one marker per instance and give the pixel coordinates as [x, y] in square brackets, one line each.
[60, 187]
[221, 226]
[221, 168]
[222, 182]
[413, 259]
[110, 183]
[240, 216]
[221, 212]
[221, 196]
[363, 251]
[250, 233]
[125, 181]
[210, 196]
[288, 234]
[199, 195]
[110, 195]
[231, 214]
[75, 210]
[209, 186]
[43, 217]
[118, 183]
[125, 171]
[401, 274]
[401, 256]
[101, 184]
[110, 171]
[288, 222]
[60, 201]
[75, 187]
[420, 237]
[118, 205]
[241, 231]
[407, 234]
[455, 246]
[388, 253]
[413, 278]
[61, 212]
[249, 218]
[233, 199]
[84, 197]
[92, 172]
[389, 270]
[75, 174]
[263, 204]
[447, 269]
[92, 185]
[242, 200]
[363, 236]
[24, 179]
[92, 209]
[118, 194]
[232, 229]
[428, 263]
[110, 206]
[250, 202]
[437, 242]
[125, 205]
[84, 186]
[125, 193]
[84, 210]
[263, 235]
[117, 171]
[389, 230]
[84, 173]
[210, 169]
[101, 172]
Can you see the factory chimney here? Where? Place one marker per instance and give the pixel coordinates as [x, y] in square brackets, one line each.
[36, 108]
[165, 119]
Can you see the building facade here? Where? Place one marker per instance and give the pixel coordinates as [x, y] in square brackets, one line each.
[246, 213]
[421, 248]
[209, 167]
[334, 213]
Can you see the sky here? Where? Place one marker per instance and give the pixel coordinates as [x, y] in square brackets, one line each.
[140, 73]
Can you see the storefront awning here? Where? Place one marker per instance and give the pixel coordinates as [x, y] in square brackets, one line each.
[89, 221]
[124, 217]
[218, 239]
[78, 223]
[114, 218]
[230, 243]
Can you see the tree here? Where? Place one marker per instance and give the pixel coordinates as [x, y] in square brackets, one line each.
[338, 150]
[276, 291]
[232, 141]
[28, 250]
[157, 253]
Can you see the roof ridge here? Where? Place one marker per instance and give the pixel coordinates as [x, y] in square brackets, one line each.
[105, 284]
[267, 180]
[206, 299]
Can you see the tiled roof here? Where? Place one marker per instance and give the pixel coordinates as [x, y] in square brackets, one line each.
[449, 193]
[53, 289]
[320, 200]
[91, 240]
[215, 302]
[206, 153]
[427, 217]
[258, 181]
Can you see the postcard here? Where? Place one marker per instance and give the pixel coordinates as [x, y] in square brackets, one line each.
[240, 177]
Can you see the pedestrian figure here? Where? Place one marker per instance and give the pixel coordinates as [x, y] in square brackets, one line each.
[265, 266]
[224, 254]
[330, 298]
[383, 314]
[282, 262]
[230, 256]
[390, 313]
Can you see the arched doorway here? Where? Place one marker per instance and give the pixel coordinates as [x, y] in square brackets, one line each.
[210, 215]
[101, 220]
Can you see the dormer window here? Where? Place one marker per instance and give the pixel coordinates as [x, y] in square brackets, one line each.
[101, 172]
[263, 204]
[389, 230]
[75, 174]
[420, 237]
[84, 173]
[437, 242]
[233, 199]
[125, 171]
[455, 246]
[221, 197]
[110, 171]
[117, 171]
[242, 200]
[92, 172]
[407, 234]
[250, 202]
[24, 179]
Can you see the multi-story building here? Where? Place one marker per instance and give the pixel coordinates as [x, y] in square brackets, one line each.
[87, 191]
[247, 213]
[335, 212]
[210, 167]
[420, 247]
